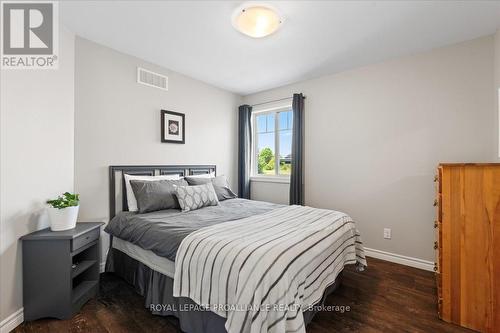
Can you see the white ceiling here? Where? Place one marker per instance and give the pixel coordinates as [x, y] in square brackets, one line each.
[196, 38]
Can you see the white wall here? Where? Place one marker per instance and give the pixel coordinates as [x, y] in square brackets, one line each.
[374, 135]
[37, 130]
[276, 192]
[117, 121]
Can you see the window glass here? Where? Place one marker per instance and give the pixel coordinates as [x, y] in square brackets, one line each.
[272, 145]
[285, 120]
[261, 124]
[266, 162]
[285, 142]
[270, 122]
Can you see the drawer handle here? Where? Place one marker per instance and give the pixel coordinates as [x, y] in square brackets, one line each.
[435, 202]
[435, 245]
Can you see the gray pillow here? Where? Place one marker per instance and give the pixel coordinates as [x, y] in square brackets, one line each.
[221, 186]
[156, 195]
[195, 197]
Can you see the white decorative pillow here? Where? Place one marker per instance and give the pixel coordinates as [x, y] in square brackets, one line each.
[131, 200]
[195, 197]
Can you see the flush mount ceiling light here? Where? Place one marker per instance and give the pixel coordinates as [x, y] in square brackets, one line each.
[256, 20]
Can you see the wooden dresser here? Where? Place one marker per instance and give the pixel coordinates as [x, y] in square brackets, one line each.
[468, 245]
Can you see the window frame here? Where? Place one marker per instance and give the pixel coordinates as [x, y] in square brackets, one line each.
[266, 110]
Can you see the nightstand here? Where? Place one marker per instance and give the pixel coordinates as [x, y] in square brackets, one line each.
[60, 270]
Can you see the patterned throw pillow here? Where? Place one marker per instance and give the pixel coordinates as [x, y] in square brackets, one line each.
[195, 197]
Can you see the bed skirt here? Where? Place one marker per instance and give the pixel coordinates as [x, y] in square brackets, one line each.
[156, 288]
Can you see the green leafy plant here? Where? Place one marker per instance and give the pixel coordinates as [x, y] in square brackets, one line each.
[65, 200]
[266, 155]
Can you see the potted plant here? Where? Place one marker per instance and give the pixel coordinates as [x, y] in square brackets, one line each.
[63, 211]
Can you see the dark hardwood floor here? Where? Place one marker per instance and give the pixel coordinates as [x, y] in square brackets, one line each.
[386, 297]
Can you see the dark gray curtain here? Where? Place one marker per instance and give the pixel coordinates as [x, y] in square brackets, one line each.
[244, 150]
[296, 178]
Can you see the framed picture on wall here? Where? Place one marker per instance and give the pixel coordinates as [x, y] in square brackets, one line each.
[172, 127]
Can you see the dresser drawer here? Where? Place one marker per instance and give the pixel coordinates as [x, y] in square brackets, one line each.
[84, 239]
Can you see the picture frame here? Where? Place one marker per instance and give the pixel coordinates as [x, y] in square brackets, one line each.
[173, 127]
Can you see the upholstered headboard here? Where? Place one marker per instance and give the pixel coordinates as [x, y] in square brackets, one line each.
[118, 193]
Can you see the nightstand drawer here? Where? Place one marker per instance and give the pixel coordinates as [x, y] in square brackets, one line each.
[84, 239]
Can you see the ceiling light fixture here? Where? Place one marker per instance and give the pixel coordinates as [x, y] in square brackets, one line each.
[256, 20]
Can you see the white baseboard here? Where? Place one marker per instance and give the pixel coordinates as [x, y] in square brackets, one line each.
[12, 321]
[400, 259]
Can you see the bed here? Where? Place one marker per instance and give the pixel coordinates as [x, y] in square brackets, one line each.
[240, 266]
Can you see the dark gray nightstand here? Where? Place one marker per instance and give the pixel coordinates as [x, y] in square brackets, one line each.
[60, 270]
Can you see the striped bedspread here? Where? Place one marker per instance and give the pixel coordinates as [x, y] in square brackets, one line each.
[262, 271]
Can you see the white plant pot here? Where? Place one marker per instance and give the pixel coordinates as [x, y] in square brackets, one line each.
[63, 219]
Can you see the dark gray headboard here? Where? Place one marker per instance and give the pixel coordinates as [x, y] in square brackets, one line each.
[117, 181]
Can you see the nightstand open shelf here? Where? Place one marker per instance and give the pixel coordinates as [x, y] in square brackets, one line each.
[60, 270]
[82, 267]
[81, 289]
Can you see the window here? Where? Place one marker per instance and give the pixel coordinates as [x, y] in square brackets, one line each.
[272, 142]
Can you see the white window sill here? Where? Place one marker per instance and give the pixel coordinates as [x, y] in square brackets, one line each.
[271, 179]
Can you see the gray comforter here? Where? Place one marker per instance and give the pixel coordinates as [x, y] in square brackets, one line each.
[163, 231]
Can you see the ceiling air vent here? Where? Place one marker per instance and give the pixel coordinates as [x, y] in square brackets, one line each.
[152, 79]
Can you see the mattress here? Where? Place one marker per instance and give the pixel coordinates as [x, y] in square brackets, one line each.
[147, 257]
[163, 231]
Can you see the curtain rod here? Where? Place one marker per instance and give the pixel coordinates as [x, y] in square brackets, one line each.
[276, 100]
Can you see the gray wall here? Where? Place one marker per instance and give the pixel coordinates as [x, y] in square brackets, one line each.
[117, 121]
[374, 135]
[37, 117]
